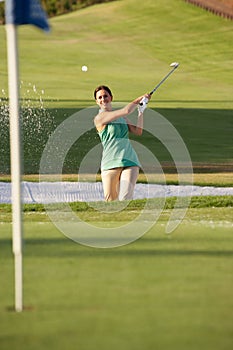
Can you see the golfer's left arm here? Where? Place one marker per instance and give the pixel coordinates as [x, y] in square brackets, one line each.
[138, 128]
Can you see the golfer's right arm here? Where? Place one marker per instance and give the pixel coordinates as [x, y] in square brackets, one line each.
[104, 118]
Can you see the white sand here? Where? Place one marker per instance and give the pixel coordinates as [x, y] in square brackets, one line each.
[55, 192]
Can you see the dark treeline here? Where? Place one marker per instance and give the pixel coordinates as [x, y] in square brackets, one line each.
[58, 7]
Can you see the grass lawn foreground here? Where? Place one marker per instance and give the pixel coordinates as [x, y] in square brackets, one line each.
[162, 291]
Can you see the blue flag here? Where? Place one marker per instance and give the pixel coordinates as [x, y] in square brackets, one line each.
[26, 12]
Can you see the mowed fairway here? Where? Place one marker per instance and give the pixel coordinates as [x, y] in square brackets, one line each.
[129, 47]
[129, 50]
[160, 292]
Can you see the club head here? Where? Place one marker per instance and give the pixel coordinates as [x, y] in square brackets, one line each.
[174, 64]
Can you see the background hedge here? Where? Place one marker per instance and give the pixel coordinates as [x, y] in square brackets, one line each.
[58, 7]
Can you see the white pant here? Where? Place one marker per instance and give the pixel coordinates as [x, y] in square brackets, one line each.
[119, 183]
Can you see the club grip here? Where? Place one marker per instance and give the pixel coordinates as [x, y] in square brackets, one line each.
[143, 101]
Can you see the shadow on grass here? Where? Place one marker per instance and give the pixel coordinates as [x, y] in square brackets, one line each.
[206, 132]
[60, 247]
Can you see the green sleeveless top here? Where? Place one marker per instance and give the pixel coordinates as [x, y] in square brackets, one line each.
[117, 149]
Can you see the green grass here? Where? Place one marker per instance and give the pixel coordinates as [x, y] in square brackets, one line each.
[137, 204]
[130, 50]
[162, 291]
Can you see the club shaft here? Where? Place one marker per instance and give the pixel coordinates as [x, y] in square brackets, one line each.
[161, 82]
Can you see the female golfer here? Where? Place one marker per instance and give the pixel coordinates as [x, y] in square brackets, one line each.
[120, 164]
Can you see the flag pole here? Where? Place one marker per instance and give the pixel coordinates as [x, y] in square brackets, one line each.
[18, 12]
[15, 154]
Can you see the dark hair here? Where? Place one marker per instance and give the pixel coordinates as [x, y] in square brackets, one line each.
[102, 87]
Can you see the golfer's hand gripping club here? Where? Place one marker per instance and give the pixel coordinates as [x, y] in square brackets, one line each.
[142, 104]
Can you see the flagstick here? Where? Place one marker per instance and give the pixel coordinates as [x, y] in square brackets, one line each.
[15, 144]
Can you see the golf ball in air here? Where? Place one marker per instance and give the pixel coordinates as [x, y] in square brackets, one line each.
[84, 68]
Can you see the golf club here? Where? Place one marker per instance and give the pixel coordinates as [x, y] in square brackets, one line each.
[144, 100]
[174, 65]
